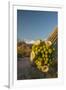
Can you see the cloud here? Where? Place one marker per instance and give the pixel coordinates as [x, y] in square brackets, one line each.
[30, 42]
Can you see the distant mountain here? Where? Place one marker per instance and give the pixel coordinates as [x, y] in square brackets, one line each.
[24, 49]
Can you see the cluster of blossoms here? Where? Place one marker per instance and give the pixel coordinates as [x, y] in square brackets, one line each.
[42, 55]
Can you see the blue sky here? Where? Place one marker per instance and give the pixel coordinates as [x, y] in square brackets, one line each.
[33, 25]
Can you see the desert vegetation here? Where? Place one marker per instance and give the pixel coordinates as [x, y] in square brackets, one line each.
[23, 49]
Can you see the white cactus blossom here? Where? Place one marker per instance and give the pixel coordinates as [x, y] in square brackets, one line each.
[45, 68]
[37, 42]
[48, 43]
[32, 56]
